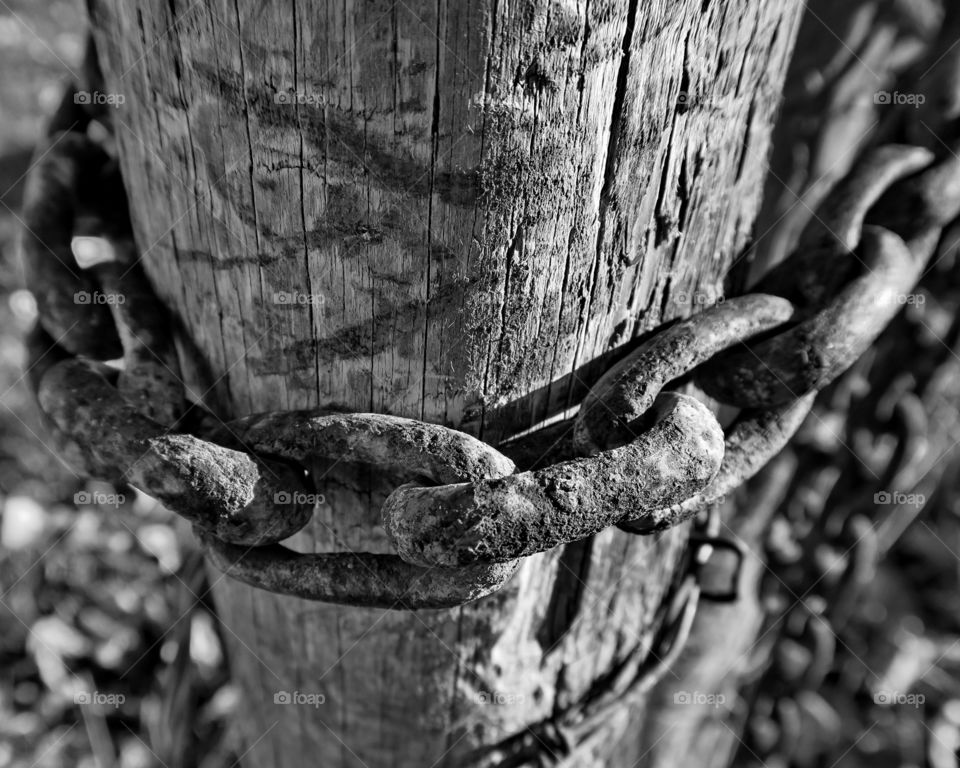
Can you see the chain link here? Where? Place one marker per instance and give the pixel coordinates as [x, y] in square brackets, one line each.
[850, 278]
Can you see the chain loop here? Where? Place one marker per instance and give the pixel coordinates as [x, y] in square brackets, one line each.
[436, 453]
[755, 437]
[519, 515]
[635, 456]
[814, 352]
[613, 411]
[218, 489]
[66, 173]
[885, 232]
[356, 578]
[441, 454]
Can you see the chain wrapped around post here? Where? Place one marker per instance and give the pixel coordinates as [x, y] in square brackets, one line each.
[635, 456]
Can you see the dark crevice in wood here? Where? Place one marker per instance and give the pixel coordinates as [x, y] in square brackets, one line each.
[616, 116]
[665, 298]
[573, 572]
[610, 165]
[684, 194]
[300, 179]
[662, 222]
[434, 145]
[685, 96]
[747, 135]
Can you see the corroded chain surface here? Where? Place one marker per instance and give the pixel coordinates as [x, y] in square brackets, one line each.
[636, 455]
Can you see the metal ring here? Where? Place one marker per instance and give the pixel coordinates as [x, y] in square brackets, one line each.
[921, 206]
[441, 454]
[813, 353]
[75, 188]
[613, 412]
[924, 199]
[754, 438]
[519, 515]
[717, 543]
[65, 177]
[622, 396]
[218, 489]
[150, 378]
[823, 261]
[840, 217]
[361, 578]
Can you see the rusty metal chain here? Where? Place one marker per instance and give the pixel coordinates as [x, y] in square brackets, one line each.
[635, 456]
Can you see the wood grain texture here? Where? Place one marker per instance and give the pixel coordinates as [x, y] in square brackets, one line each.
[447, 211]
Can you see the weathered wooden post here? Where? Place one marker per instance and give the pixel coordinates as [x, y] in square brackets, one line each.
[452, 212]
